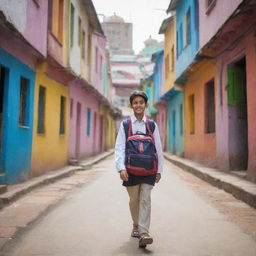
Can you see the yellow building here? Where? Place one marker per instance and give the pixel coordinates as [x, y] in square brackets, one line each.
[168, 29]
[50, 135]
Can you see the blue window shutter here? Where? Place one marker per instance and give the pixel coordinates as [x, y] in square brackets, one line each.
[88, 121]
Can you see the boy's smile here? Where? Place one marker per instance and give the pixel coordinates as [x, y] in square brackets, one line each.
[138, 105]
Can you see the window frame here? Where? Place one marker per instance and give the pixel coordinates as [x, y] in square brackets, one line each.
[41, 132]
[24, 107]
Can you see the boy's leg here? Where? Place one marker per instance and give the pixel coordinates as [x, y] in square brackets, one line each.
[134, 193]
[145, 208]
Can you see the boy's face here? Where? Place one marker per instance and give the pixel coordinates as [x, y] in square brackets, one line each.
[138, 105]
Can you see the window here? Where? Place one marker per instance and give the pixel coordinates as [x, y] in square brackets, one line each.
[172, 58]
[209, 4]
[79, 31]
[95, 124]
[57, 9]
[83, 44]
[177, 43]
[181, 119]
[188, 27]
[71, 108]
[41, 111]
[72, 24]
[37, 2]
[96, 59]
[62, 114]
[89, 49]
[180, 39]
[24, 108]
[191, 106]
[89, 121]
[210, 107]
[100, 68]
[167, 65]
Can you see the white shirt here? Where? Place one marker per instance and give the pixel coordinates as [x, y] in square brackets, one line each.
[121, 140]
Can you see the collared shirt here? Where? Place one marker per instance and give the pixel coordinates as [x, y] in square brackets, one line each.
[137, 126]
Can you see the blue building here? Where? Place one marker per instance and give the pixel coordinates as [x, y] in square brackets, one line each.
[187, 34]
[16, 117]
[175, 120]
[158, 75]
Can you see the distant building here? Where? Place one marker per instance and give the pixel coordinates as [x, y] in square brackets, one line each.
[119, 35]
[151, 46]
[127, 72]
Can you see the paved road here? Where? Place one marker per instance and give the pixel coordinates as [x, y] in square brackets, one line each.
[189, 218]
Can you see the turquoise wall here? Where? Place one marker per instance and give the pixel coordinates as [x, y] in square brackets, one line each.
[175, 123]
[15, 156]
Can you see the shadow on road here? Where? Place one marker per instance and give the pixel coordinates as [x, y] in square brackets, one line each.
[131, 247]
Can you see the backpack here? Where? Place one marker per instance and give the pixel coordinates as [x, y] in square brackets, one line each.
[140, 151]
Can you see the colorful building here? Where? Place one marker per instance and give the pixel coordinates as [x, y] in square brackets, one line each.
[231, 43]
[51, 126]
[23, 43]
[87, 47]
[218, 82]
[158, 87]
[56, 88]
[171, 94]
[198, 81]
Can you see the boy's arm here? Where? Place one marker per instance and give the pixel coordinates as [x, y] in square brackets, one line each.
[120, 149]
[159, 149]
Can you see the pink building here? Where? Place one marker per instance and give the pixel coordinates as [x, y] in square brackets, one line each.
[232, 23]
[161, 120]
[84, 116]
[30, 41]
[89, 120]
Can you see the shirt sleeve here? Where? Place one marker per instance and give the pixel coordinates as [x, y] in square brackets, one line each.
[120, 149]
[159, 149]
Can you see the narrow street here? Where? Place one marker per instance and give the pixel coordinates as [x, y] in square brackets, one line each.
[189, 218]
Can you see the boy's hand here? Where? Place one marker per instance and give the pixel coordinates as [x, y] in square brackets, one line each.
[124, 175]
[158, 177]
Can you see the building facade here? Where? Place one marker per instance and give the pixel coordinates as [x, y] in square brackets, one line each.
[55, 87]
[119, 35]
[23, 41]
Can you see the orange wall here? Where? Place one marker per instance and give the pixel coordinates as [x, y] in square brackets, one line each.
[200, 146]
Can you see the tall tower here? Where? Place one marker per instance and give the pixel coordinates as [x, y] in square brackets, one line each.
[119, 35]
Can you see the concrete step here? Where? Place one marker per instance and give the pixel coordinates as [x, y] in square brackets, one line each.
[3, 189]
[2, 179]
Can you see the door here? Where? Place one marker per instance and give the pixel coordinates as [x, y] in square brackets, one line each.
[174, 131]
[237, 114]
[78, 130]
[3, 77]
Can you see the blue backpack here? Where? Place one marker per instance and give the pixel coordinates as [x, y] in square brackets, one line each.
[140, 151]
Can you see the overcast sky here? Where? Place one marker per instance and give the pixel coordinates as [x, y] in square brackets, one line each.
[146, 16]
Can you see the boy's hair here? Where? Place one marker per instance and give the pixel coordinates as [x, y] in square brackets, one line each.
[137, 93]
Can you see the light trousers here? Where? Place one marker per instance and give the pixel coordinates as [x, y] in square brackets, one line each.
[140, 206]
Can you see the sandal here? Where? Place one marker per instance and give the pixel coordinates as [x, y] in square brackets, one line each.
[135, 233]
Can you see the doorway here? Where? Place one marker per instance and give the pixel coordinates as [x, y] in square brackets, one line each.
[173, 141]
[3, 77]
[237, 114]
[78, 130]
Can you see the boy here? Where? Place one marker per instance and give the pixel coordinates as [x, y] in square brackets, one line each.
[139, 187]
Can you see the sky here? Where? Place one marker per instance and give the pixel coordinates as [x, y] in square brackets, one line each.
[146, 16]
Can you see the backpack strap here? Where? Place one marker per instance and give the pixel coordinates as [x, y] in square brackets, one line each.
[127, 124]
[150, 127]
